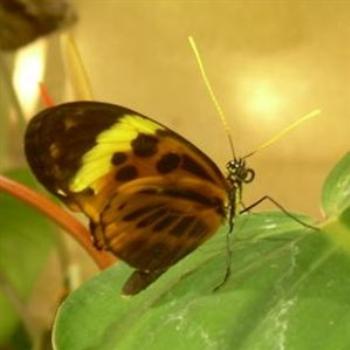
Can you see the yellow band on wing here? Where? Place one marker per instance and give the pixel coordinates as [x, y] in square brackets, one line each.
[97, 161]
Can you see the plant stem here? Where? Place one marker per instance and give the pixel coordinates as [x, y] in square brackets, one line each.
[66, 221]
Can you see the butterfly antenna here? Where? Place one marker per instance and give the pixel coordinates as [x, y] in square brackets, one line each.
[285, 131]
[212, 95]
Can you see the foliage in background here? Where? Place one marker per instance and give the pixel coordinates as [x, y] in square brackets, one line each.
[26, 239]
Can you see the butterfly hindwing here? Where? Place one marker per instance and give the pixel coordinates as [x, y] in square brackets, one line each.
[152, 223]
[152, 197]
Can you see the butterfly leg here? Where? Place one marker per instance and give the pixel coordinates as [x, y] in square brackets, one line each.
[97, 236]
[280, 207]
[231, 223]
[242, 205]
[228, 263]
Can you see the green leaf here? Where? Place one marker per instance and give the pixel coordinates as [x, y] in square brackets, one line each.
[25, 241]
[96, 316]
[289, 289]
[336, 190]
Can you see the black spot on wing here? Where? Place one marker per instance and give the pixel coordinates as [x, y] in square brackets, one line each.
[87, 192]
[126, 173]
[193, 167]
[168, 163]
[145, 145]
[119, 158]
[164, 133]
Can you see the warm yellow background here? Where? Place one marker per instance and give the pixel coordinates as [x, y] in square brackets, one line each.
[269, 61]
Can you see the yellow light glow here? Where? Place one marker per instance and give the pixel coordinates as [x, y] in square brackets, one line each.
[28, 72]
[262, 98]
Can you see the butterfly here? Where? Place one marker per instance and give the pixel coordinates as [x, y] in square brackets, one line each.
[151, 196]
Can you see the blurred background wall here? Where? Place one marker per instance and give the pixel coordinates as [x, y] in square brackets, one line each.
[269, 62]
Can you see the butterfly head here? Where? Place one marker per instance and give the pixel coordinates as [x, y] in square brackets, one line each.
[238, 172]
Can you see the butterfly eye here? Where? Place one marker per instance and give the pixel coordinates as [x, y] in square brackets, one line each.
[249, 176]
[233, 166]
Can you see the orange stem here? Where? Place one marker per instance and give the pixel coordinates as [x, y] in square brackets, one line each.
[46, 99]
[66, 221]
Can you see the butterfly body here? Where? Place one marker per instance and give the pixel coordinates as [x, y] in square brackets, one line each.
[151, 196]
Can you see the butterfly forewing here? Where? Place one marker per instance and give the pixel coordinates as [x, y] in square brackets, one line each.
[152, 197]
